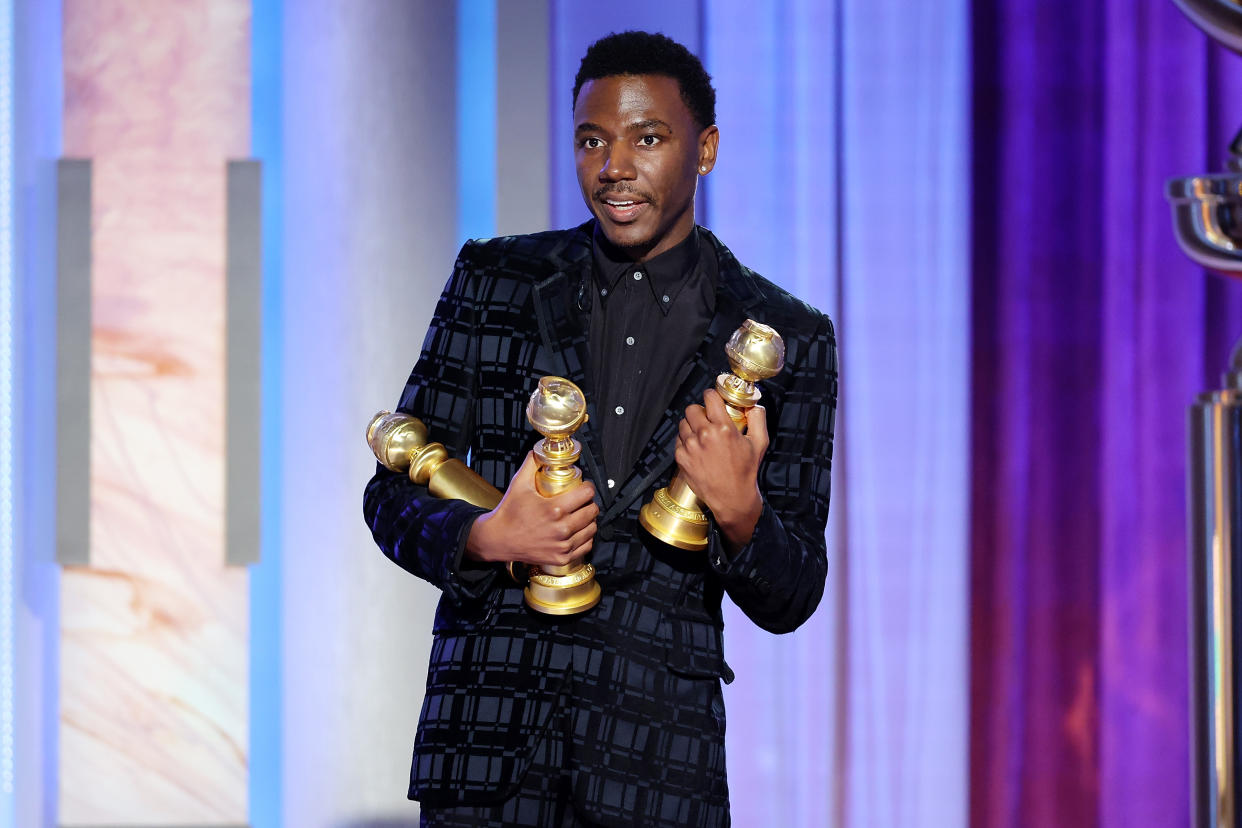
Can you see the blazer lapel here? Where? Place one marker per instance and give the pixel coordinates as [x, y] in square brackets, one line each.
[737, 297]
[565, 332]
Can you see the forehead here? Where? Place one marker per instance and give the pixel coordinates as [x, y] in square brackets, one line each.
[627, 98]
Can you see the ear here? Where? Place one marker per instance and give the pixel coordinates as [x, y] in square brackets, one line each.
[709, 140]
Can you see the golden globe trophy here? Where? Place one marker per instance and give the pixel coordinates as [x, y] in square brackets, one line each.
[1207, 220]
[676, 515]
[399, 442]
[557, 408]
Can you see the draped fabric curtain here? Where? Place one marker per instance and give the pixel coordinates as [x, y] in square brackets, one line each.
[843, 176]
[1091, 333]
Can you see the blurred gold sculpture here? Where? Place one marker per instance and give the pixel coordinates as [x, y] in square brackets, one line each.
[675, 515]
[399, 442]
[557, 408]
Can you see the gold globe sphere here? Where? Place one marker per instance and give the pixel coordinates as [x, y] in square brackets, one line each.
[557, 408]
[756, 351]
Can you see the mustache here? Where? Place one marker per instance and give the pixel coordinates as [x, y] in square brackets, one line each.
[622, 189]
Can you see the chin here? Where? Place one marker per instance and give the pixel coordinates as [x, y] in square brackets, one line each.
[625, 236]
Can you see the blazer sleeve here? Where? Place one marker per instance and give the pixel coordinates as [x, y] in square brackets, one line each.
[778, 578]
[423, 534]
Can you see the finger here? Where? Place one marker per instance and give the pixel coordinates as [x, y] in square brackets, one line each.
[684, 431]
[526, 471]
[524, 478]
[715, 407]
[573, 499]
[575, 520]
[584, 536]
[696, 416]
[580, 552]
[757, 426]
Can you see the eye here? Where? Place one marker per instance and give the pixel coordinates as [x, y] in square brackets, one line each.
[649, 140]
[592, 143]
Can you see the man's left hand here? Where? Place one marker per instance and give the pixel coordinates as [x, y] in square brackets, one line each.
[721, 464]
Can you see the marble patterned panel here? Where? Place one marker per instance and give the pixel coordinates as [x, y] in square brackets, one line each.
[154, 648]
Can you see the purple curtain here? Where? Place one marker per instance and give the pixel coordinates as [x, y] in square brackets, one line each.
[1091, 335]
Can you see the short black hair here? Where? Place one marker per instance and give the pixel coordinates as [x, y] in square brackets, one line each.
[648, 53]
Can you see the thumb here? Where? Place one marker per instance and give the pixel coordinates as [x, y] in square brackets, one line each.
[757, 426]
[525, 475]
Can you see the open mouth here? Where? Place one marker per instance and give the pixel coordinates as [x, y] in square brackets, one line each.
[622, 210]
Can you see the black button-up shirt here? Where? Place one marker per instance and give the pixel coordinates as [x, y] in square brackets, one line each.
[647, 321]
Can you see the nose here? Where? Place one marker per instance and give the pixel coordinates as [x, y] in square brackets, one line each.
[618, 166]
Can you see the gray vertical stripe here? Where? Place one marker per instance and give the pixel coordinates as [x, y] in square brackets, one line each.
[243, 331]
[523, 199]
[73, 361]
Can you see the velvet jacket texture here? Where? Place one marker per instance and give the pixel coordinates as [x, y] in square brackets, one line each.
[636, 681]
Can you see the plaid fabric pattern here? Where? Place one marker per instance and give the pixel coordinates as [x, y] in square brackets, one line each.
[635, 682]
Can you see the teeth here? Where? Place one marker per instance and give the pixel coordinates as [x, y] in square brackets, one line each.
[619, 203]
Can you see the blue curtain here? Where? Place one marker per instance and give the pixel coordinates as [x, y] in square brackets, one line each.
[843, 175]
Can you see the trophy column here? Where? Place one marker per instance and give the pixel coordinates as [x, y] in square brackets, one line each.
[675, 515]
[1207, 219]
[557, 408]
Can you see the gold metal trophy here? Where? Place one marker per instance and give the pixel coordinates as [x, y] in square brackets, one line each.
[676, 515]
[399, 442]
[557, 409]
[1207, 220]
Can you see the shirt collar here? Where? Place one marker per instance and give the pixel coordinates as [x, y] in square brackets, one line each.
[665, 275]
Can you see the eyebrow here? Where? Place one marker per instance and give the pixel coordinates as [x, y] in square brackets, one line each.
[650, 123]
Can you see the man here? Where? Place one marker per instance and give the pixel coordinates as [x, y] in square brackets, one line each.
[613, 716]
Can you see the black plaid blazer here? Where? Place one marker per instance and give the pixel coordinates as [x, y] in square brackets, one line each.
[636, 680]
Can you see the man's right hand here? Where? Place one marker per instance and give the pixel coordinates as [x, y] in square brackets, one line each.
[533, 529]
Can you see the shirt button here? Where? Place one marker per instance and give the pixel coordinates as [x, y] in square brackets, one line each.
[665, 297]
[619, 410]
[629, 340]
[638, 277]
[604, 292]
[611, 482]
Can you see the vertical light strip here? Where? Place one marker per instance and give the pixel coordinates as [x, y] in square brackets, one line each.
[868, 101]
[267, 663]
[8, 321]
[476, 119]
[905, 363]
[773, 201]
[523, 59]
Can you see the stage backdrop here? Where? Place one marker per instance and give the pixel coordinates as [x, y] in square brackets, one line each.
[1091, 333]
[972, 190]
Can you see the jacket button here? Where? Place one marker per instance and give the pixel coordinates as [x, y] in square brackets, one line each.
[606, 532]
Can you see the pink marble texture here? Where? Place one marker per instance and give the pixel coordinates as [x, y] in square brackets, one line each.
[154, 647]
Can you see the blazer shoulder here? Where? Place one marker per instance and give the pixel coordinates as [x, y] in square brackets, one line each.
[532, 254]
[779, 309]
[788, 314]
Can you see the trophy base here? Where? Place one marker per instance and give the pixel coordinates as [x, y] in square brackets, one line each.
[563, 594]
[674, 524]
